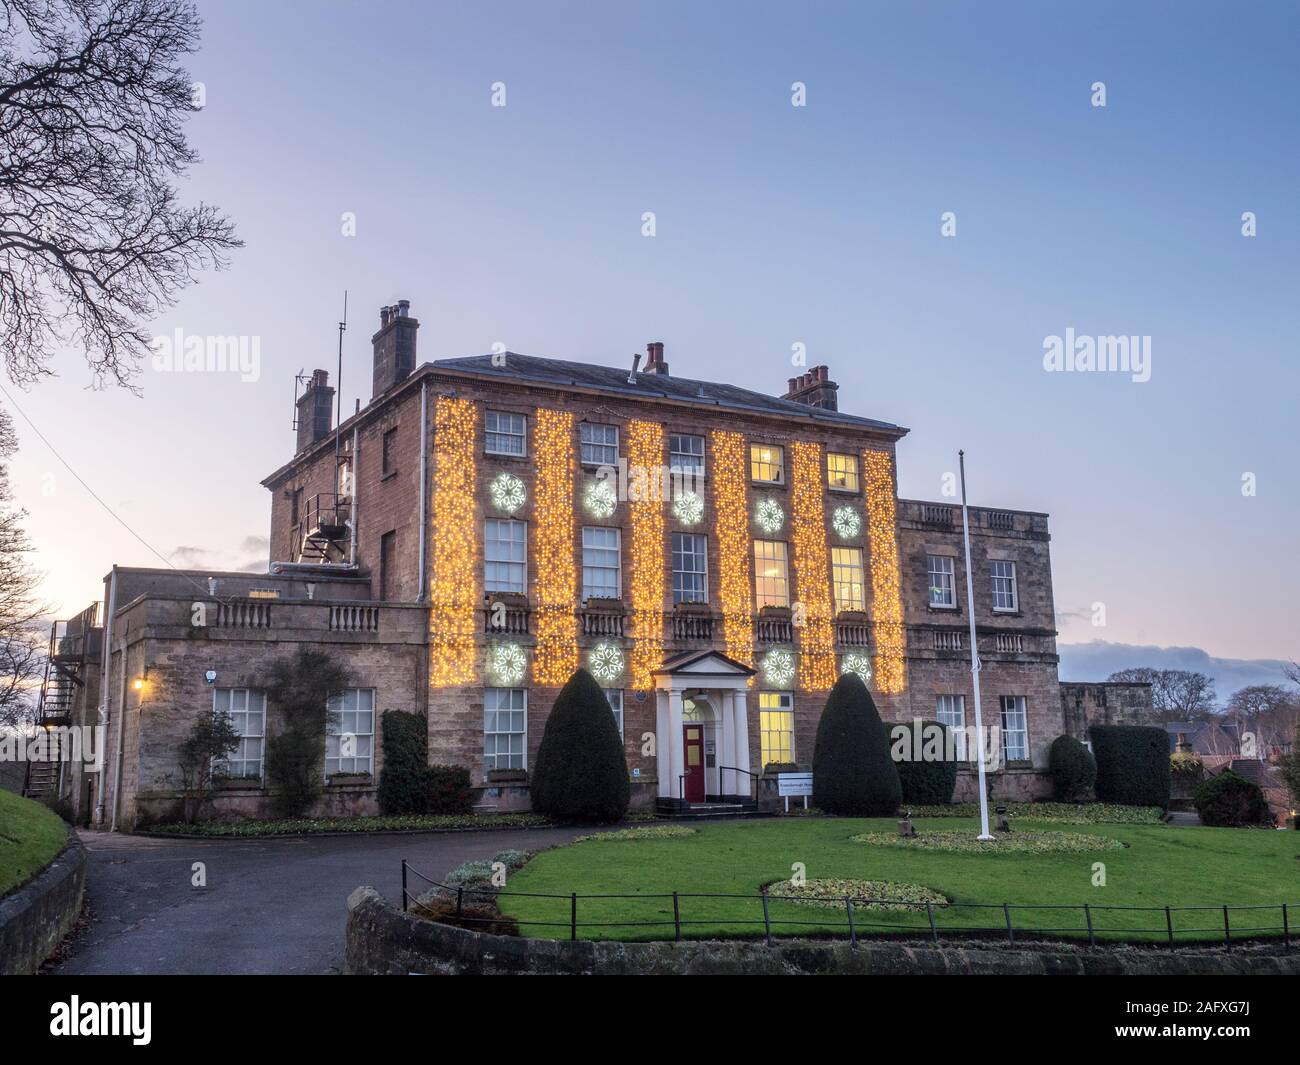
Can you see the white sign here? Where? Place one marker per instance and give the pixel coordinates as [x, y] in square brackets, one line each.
[794, 783]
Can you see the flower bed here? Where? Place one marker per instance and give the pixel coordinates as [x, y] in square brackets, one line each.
[866, 894]
[1012, 843]
[1093, 813]
[649, 832]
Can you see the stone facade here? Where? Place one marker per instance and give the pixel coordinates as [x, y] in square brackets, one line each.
[1084, 704]
[380, 473]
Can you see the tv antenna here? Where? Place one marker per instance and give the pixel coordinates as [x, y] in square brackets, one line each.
[338, 394]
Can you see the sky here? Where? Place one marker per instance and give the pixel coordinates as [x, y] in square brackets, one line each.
[357, 148]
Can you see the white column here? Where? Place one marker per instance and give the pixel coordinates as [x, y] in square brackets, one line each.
[663, 748]
[741, 717]
[676, 788]
[727, 783]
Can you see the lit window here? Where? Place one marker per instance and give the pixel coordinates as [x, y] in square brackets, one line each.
[842, 471]
[776, 727]
[504, 434]
[846, 574]
[943, 591]
[247, 712]
[615, 697]
[690, 568]
[766, 463]
[600, 564]
[771, 585]
[685, 454]
[1004, 586]
[505, 716]
[950, 710]
[350, 732]
[1015, 729]
[599, 444]
[504, 553]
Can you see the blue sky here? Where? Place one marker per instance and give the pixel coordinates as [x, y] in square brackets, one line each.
[776, 225]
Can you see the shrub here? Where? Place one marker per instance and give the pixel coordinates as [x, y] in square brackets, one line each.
[446, 789]
[1231, 801]
[211, 740]
[581, 773]
[404, 739]
[853, 774]
[1132, 764]
[930, 778]
[1073, 769]
[298, 688]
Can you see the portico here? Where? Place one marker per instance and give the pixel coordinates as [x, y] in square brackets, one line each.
[702, 729]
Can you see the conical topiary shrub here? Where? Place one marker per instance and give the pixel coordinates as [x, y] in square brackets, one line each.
[853, 774]
[580, 773]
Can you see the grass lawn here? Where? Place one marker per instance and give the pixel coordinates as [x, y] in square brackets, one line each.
[1161, 866]
[30, 836]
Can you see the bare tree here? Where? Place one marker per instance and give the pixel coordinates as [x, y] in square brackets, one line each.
[22, 644]
[1176, 694]
[92, 100]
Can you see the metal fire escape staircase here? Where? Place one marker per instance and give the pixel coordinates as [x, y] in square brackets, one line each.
[325, 529]
[65, 667]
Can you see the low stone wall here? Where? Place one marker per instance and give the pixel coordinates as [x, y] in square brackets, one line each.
[381, 940]
[1015, 784]
[36, 917]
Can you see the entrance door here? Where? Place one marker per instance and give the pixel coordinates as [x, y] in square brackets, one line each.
[693, 746]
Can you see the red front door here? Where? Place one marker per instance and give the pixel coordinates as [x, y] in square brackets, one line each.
[693, 746]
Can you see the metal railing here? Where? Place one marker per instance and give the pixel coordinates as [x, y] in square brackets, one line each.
[858, 916]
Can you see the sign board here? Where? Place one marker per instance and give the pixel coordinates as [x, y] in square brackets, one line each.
[794, 783]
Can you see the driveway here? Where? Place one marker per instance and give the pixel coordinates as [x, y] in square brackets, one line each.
[269, 906]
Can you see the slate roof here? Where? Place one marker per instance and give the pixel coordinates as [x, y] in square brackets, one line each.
[614, 381]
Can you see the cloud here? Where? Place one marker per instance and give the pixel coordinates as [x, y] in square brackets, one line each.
[250, 557]
[1098, 659]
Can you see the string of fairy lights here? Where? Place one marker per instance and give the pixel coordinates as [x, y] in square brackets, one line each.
[453, 584]
[886, 595]
[729, 469]
[556, 655]
[645, 451]
[456, 563]
[817, 670]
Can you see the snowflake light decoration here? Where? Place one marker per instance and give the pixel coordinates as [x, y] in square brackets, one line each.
[606, 663]
[599, 499]
[778, 668]
[688, 508]
[769, 515]
[507, 492]
[847, 522]
[856, 663]
[507, 663]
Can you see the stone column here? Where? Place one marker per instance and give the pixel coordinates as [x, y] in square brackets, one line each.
[678, 756]
[739, 700]
[726, 743]
[663, 748]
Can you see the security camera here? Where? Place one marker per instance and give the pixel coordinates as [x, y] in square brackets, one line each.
[210, 676]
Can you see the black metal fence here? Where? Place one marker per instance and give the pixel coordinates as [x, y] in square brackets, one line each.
[860, 916]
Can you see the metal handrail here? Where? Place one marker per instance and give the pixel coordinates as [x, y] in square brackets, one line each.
[753, 779]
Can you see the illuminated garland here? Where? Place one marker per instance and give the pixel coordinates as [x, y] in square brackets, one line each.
[886, 597]
[645, 449]
[453, 587]
[730, 471]
[556, 656]
[812, 569]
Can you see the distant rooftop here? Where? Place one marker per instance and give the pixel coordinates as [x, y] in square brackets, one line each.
[614, 380]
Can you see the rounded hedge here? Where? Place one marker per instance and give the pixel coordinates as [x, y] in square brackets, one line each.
[580, 773]
[1132, 764]
[1073, 769]
[926, 773]
[853, 774]
[1231, 801]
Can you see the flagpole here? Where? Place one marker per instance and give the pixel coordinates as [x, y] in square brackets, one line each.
[975, 665]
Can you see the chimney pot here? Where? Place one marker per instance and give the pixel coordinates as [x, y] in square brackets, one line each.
[394, 346]
[655, 358]
[791, 385]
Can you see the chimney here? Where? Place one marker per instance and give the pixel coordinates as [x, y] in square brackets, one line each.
[394, 346]
[814, 388]
[654, 359]
[315, 409]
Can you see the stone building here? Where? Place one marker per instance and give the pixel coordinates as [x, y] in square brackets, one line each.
[485, 525]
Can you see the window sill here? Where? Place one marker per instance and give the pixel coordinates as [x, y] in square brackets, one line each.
[1007, 613]
[842, 491]
[936, 609]
[504, 455]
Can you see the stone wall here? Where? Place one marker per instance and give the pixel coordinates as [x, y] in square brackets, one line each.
[35, 918]
[1084, 704]
[381, 940]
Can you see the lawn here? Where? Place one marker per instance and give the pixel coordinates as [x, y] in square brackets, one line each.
[1160, 866]
[30, 836]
